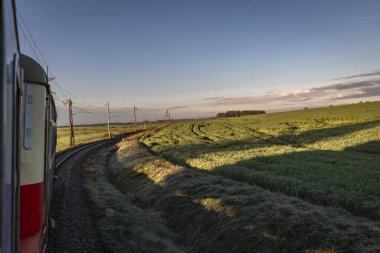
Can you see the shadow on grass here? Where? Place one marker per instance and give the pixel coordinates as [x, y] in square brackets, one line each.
[348, 178]
[316, 135]
[293, 140]
[213, 214]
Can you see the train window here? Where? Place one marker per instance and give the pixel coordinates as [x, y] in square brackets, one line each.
[28, 129]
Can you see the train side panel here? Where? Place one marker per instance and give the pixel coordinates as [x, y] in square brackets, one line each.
[33, 211]
[9, 169]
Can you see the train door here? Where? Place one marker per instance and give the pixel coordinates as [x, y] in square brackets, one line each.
[9, 159]
[46, 170]
[33, 209]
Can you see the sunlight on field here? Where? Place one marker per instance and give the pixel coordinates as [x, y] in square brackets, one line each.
[209, 213]
[327, 156]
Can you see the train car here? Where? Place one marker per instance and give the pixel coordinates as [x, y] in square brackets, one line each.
[10, 90]
[27, 143]
[37, 146]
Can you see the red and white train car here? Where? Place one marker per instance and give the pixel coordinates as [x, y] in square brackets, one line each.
[10, 88]
[37, 152]
[27, 143]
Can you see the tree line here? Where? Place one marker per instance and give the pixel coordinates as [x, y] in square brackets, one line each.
[239, 113]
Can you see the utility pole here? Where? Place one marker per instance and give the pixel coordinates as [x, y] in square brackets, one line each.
[71, 121]
[108, 115]
[134, 113]
[167, 116]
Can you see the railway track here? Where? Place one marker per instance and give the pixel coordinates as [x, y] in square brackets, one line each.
[73, 229]
[66, 154]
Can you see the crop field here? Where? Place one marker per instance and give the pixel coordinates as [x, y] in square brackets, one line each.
[301, 181]
[327, 157]
[85, 134]
[163, 207]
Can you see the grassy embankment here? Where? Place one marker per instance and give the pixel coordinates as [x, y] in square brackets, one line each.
[180, 209]
[327, 156]
[131, 229]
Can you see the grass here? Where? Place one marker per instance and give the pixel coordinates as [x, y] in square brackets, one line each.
[210, 213]
[301, 181]
[326, 156]
[85, 134]
[130, 229]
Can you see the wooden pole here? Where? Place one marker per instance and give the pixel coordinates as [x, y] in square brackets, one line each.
[109, 119]
[71, 122]
[134, 113]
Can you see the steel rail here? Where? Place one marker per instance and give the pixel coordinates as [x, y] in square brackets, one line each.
[76, 149]
[74, 153]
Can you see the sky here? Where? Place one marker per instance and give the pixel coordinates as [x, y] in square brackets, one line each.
[197, 57]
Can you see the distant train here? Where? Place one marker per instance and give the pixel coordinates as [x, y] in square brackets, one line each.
[28, 141]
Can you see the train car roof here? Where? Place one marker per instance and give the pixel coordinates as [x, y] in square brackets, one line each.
[33, 72]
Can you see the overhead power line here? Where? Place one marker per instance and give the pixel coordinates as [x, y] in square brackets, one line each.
[66, 94]
[31, 36]
[27, 40]
[24, 28]
[70, 93]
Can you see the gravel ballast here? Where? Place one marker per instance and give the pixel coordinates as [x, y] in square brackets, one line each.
[74, 229]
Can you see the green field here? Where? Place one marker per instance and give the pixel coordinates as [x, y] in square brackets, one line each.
[329, 157]
[163, 207]
[85, 134]
[301, 181]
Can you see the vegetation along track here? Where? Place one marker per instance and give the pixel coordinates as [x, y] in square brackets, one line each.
[73, 229]
[163, 207]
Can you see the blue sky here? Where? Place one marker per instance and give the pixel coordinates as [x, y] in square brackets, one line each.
[163, 54]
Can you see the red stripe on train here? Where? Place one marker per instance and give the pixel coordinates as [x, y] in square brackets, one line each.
[31, 204]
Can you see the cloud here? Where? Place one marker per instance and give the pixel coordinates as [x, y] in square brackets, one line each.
[333, 92]
[178, 107]
[368, 74]
[212, 98]
[371, 90]
[348, 86]
[343, 91]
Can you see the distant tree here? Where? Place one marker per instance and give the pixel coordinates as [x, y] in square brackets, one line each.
[239, 113]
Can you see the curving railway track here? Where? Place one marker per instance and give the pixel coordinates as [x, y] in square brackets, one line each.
[72, 228]
[66, 154]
